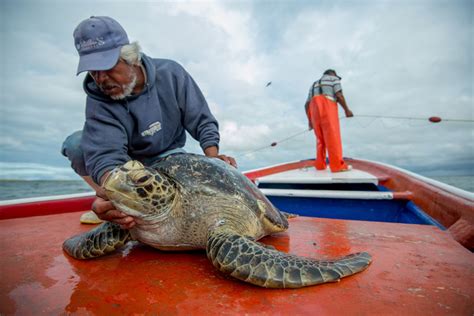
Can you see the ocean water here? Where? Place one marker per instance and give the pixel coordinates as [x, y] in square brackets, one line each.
[462, 182]
[16, 189]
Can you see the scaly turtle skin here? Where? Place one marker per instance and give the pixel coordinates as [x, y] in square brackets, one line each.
[190, 201]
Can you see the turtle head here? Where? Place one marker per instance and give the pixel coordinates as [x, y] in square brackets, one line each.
[139, 191]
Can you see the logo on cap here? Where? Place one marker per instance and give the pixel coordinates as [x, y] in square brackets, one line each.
[90, 43]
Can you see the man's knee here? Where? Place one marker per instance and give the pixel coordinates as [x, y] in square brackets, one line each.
[72, 150]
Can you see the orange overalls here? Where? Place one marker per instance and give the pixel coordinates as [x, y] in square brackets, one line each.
[323, 114]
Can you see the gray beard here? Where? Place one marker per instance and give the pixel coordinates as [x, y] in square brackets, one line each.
[127, 89]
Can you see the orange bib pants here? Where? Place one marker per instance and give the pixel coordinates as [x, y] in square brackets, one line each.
[323, 114]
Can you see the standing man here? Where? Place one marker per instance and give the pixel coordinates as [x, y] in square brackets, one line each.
[137, 107]
[321, 110]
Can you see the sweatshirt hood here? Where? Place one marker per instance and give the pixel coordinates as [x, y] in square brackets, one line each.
[93, 91]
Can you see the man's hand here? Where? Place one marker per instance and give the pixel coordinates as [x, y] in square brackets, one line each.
[212, 151]
[230, 160]
[349, 113]
[106, 211]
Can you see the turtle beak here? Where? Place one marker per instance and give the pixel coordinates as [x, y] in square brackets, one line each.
[116, 181]
[133, 165]
[117, 178]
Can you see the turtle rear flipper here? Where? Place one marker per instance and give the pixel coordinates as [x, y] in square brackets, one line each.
[101, 240]
[250, 261]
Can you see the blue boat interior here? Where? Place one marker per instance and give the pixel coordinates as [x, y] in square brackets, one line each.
[392, 211]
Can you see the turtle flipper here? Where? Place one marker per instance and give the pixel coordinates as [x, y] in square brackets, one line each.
[101, 240]
[250, 261]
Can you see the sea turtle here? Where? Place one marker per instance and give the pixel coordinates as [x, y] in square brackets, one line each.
[188, 201]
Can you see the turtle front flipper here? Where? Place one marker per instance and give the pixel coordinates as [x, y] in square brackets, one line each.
[252, 262]
[101, 240]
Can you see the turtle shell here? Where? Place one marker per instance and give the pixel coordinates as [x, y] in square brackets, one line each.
[200, 175]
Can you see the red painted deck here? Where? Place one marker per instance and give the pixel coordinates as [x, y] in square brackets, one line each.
[416, 269]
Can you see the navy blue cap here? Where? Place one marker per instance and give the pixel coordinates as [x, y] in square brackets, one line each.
[98, 40]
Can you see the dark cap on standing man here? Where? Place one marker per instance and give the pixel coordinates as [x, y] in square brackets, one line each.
[98, 40]
[331, 72]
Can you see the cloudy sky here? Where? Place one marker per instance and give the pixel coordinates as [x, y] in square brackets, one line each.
[397, 58]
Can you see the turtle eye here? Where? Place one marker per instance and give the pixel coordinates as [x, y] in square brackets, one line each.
[141, 177]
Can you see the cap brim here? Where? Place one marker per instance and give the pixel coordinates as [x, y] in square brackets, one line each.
[99, 60]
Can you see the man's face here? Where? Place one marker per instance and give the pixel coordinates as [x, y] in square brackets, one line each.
[117, 82]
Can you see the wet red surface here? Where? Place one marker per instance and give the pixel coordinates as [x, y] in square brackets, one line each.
[416, 269]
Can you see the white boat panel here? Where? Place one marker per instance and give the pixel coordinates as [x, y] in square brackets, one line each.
[330, 194]
[311, 175]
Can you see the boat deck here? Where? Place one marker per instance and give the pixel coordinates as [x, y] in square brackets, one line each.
[311, 175]
[416, 268]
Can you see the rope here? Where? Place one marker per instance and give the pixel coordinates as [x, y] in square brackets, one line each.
[274, 143]
[410, 118]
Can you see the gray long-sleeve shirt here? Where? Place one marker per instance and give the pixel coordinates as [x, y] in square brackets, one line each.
[145, 125]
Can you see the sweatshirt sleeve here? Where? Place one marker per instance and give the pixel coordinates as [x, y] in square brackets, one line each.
[197, 117]
[104, 141]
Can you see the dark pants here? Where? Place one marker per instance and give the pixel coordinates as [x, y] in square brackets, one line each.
[72, 150]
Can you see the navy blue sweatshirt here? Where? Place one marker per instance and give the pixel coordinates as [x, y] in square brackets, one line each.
[143, 126]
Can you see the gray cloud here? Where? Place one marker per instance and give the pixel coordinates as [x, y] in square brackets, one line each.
[404, 58]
